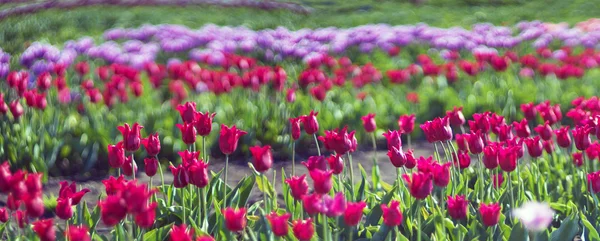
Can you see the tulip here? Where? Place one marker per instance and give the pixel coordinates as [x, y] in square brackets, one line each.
[507, 159]
[77, 233]
[534, 146]
[463, 160]
[180, 176]
[426, 165]
[397, 157]
[82, 68]
[316, 162]
[44, 229]
[497, 180]
[131, 136]
[311, 126]
[354, 213]
[545, 131]
[490, 157]
[437, 130]
[116, 155]
[112, 210]
[188, 157]
[393, 139]
[262, 160]
[369, 123]
[228, 139]
[563, 139]
[594, 181]
[34, 206]
[152, 144]
[137, 197]
[475, 142]
[406, 123]
[529, 111]
[129, 167]
[114, 185]
[458, 207]
[581, 136]
[461, 141]
[419, 184]
[303, 230]
[441, 174]
[63, 208]
[3, 215]
[17, 185]
[70, 191]
[44, 81]
[578, 159]
[392, 216]
[188, 133]
[290, 95]
[522, 128]
[181, 233]
[334, 207]
[313, 204]
[151, 166]
[534, 216]
[456, 116]
[205, 238]
[298, 186]
[279, 224]
[411, 161]
[339, 141]
[147, 218]
[336, 163]
[549, 146]
[16, 109]
[295, 123]
[198, 174]
[482, 122]
[235, 219]
[322, 180]
[187, 112]
[203, 122]
[5, 176]
[34, 183]
[504, 132]
[490, 213]
[20, 217]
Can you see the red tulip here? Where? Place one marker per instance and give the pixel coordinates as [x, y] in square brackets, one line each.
[313, 204]
[490, 157]
[188, 133]
[187, 112]
[334, 207]
[34, 183]
[497, 180]
[44, 229]
[578, 159]
[82, 68]
[137, 197]
[16, 109]
[235, 219]
[507, 158]
[290, 95]
[563, 139]
[470, 68]
[63, 208]
[114, 185]
[298, 186]
[369, 122]
[499, 63]
[397, 157]
[411, 161]
[316, 162]
[425, 165]
[181, 233]
[198, 174]
[17, 184]
[262, 158]
[504, 132]
[393, 139]
[534, 146]
[279, 224]
[339, 141]
[336, 163]
[131, 136]
[228, 139]
[203, 122]
[188, 157]
[34, 206]
[441, 174]
[581, 136]
[147, 218]
[456, 116]
[205, 238]
[77, 233]
[112, 210]
[529, 111]
[354, 213]
[545, 131]
[295, 123]
[322, 180]
[463, 160]
[419, 184]
[311, 126]
[594, 181]
[461, 142]
[180, 176]
[304, 230]
[475, 141]
[150, 166]
[392, 216]
[152, 144]
[5, 176]
[437, 130]
[116, 155]
[3, 215]
[458, 207]
[548, 146]
[406, 123]
[129, 167]
[20, 217]
[490, 213]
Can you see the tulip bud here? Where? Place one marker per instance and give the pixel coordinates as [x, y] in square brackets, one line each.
[322, 180]
[392, 216]
[311, 126]
[490, 213]
[150, 166]
[304, 230]
[152, 144]
[44, 229]
[458, 207]
[262, 160]
[369, 123]
[235, 219]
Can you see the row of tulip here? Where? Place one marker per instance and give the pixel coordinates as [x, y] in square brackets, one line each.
[446, 195]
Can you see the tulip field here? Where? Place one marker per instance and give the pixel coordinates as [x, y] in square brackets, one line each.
[380, 131]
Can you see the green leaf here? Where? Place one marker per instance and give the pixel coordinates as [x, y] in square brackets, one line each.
[383, 232]
[87, 217]
[591, 231]
[376, 212]
[567, 230]
[518, 233]
[360, 195]
[158, 233]
[244, 188]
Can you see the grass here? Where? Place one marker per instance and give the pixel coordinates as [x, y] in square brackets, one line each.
[58, 26]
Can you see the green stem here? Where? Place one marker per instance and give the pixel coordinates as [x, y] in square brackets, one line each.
[419, 218]
[204, 149]
[293, 158]
[204, 208]
[481, 177]
[265, 199]
[317, 143]
[510, 189]
[225, 181]
[351, 173]
[162, 177]
[377, 185]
